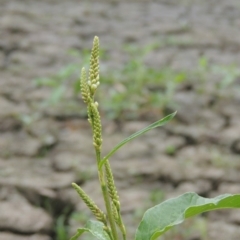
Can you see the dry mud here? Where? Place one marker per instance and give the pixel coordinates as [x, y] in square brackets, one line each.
[43, 150]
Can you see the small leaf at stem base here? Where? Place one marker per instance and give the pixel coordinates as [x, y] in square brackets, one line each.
[93, 227]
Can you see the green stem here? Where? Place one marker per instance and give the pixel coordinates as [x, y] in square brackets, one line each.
[106, 198]
[122, 227]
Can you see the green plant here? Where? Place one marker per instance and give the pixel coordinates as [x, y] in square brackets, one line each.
[61, 228]
[170, 150]
[229, 74]
[226, 74]
[157, 220]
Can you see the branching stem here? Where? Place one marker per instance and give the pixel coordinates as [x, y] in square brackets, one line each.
[106, 198]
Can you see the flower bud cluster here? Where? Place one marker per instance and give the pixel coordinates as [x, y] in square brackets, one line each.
[85, 91]
[94, 67]
[111, 186]
[96, 125]
[88, 89]
[98, 213]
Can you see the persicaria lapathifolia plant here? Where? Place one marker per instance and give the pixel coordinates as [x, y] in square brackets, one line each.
[157, 220]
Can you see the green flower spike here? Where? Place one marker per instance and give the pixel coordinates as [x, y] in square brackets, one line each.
[94, 67]
[112, 191]
[111, 186]
[97, 127]
[85, 91]
[98, 213]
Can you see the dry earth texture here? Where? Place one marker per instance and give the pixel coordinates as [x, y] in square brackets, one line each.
[44, 149]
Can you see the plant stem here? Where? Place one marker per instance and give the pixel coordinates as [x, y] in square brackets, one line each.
[106, 198]
[122, 227]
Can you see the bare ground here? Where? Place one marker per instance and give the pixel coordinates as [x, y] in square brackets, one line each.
[43, 150]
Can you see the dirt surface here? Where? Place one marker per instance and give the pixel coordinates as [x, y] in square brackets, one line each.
[43, 150]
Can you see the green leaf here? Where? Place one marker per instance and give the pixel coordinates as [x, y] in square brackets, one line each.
[93, 227]
[158, 123]
[164, 216]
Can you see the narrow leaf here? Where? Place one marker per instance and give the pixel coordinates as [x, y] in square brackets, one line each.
[164, 216]
[93, 227]
[158, 123]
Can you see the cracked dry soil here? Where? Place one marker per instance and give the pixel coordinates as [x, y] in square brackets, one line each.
[43, 150]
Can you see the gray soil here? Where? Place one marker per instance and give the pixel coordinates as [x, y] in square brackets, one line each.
[43, 150]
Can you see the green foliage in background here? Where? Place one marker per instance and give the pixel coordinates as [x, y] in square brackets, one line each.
[61, 228]
[133, 91]
[136, 89]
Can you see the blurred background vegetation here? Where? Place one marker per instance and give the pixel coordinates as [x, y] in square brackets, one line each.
[136, 90]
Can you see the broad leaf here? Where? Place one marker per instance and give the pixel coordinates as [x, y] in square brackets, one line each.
[164, 216]
[95, 228]
[159, 123]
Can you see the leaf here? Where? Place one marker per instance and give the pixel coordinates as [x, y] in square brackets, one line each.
[158, 123]
[164, 216]
[93, 227]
